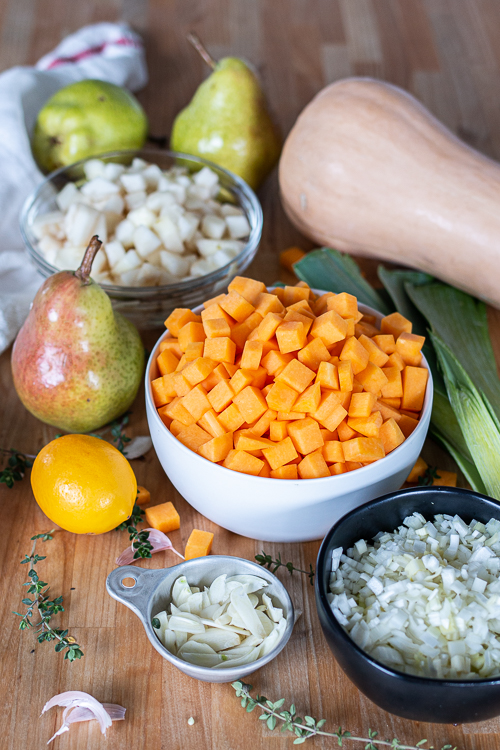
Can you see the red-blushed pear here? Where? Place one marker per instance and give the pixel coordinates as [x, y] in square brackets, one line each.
[76, 363]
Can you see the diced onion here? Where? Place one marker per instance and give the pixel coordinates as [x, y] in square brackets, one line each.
[424, 599]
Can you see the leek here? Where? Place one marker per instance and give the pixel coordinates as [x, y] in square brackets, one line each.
[478, 422]
[330, 270]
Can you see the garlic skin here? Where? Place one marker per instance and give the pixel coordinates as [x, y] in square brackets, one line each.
[81, 706]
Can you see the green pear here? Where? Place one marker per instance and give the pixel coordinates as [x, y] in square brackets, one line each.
[76, 363]
[85, 119]
[228, 122]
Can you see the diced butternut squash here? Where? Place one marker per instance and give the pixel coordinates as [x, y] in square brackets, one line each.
[313, 466]
[290, 256]
[414, 385]
[395, 324]
[289, 471]
[372, 378]
[305, 435]
[178, 319]
[296, 376]
[199, 544]
[216, 450]
[367, 426]
[418, 470]
[283, 385]
[445, 479]
[362, 404]
[391, 435]
[333, 452]
[231, 418]
[280, 454]
[167, 362]
[355, 353]
[143, 496]
[291, 336]
[243, 462]
[250, 289]
[281, 397]
[409, 346]
[163, 517]
[363, 449]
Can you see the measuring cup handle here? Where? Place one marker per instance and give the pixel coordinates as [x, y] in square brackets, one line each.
[135, 597]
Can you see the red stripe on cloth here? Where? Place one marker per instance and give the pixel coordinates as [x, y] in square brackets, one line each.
[123, 41]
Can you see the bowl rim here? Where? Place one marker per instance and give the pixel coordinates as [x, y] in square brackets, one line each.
[182, 664]
[187, 286]
[321, 592]
[343, 481]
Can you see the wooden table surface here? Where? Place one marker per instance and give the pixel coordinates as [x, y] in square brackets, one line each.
[445, 52]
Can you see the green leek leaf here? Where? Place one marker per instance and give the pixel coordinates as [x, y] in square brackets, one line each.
[467, 467]
[394, 283]
[335, 272]
[475, 416]
[461, 323]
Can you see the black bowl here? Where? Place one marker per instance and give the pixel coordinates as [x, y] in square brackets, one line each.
[416, 698]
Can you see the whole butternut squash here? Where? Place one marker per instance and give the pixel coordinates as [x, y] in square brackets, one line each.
[368, 170]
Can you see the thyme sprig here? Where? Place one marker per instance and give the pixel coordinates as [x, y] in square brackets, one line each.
[138, 538]
[44, 607]
[307, 727]
[267, 562]
[17, 464]
[428, 477]
[118, 434]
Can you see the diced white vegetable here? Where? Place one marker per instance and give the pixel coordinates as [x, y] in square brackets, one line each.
[213, 226]
[149, 275]
[79, 223]
[69, 258]
[177, 265]
[227, 209]
[127, 278]
[114, 252]
[181, 591]
[146, 241]
[169, 235]
[93, 168]
[275, 613]
[129, 262]
[238, 226]
[156, 201]
[135, 200]
[187, 224]
[68, 195]
[206, 177]
[142, 217]
[133, 183]
[217, 639]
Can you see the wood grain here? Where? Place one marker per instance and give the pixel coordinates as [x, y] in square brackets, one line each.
[445, 52]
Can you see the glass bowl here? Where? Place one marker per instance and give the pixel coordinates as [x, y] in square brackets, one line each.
[148, 306]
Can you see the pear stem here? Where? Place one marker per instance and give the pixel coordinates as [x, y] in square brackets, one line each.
[201, 49]
[83, 273]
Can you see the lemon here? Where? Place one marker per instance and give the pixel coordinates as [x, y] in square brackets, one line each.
[83, 484]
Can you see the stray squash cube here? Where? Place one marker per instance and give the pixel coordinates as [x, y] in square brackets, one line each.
[313, 466]
[163, 517]
[243, 462]
[445, 479]
[199, 544]
[418, 470]
[143, 496]
[306, 435]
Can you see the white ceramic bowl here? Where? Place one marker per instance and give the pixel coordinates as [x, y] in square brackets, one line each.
[278, 510]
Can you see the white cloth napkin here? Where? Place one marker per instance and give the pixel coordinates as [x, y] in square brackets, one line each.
[107, 51]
